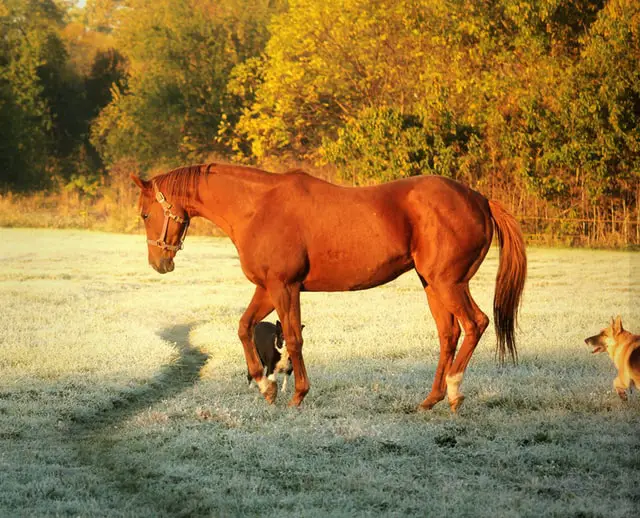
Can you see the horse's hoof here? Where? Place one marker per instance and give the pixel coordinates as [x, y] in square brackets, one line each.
[295, 402]
[455, 404]
[429, 403]
[425, 407]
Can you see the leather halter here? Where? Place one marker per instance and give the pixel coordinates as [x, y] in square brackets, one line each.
[161, 242]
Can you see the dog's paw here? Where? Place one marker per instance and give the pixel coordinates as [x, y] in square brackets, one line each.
[622, 394]
[269, 389]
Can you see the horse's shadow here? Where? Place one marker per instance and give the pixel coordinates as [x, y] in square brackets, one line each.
[93, 431]
[171, 379]
[186, 369]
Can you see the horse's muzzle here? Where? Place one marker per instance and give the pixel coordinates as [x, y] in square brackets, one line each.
[165, 266]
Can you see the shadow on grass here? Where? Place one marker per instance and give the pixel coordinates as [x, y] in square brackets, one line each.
[96, 435]
[171, 380]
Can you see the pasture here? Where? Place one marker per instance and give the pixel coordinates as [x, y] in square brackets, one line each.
[123, 393]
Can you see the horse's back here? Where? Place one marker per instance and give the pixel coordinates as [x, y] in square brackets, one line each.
[420, 202]
[359, 237]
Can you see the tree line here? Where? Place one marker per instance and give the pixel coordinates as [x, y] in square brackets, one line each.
[534, 101]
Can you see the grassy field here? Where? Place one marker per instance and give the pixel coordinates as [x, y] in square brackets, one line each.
[123, 393]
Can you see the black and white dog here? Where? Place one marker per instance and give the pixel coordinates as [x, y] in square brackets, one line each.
[269, 342]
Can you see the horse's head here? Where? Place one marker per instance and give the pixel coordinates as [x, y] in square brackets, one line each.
[166, 225]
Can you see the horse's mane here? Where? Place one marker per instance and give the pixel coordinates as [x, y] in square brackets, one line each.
[181, 182]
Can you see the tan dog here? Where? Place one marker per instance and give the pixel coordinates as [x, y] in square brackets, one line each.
[624, 350]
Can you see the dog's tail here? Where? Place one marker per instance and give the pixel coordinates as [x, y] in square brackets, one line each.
[512, 273]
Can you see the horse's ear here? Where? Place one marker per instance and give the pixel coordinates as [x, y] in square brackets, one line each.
[139, 182]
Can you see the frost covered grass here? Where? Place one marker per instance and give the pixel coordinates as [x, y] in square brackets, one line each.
[123, 393]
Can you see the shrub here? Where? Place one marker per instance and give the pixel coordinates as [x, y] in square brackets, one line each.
[382, 144]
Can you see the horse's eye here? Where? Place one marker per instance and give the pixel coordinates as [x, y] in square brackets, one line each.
[144, 216]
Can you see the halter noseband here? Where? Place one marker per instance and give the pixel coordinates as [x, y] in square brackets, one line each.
[161, 243]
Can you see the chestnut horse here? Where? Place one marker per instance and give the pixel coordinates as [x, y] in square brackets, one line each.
[296, 233]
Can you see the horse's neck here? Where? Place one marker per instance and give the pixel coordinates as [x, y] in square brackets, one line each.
[229, 199]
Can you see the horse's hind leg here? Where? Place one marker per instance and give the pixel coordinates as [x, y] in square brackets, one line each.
[259, 307]
[449, 333]
[457, 300]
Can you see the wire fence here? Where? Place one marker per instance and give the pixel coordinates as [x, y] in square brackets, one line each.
[614, 232]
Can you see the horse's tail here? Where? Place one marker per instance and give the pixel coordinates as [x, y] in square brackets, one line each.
[512, 273]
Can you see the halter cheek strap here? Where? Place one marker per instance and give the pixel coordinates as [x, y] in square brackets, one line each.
[161, 242]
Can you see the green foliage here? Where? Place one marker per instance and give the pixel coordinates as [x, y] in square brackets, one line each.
[605, 112]
[48, 96]
[586, 137]
[325, 62]
[383, 144]
[180, 54]
[84, 184]
[28, 43]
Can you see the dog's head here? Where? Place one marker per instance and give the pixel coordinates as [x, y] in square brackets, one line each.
[608, 337]
[279, 338]
[283, 362]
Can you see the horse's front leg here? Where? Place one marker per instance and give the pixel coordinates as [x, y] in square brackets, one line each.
[259, 307]
[286, 298]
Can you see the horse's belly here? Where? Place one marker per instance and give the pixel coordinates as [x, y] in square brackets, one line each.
[336, 271]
